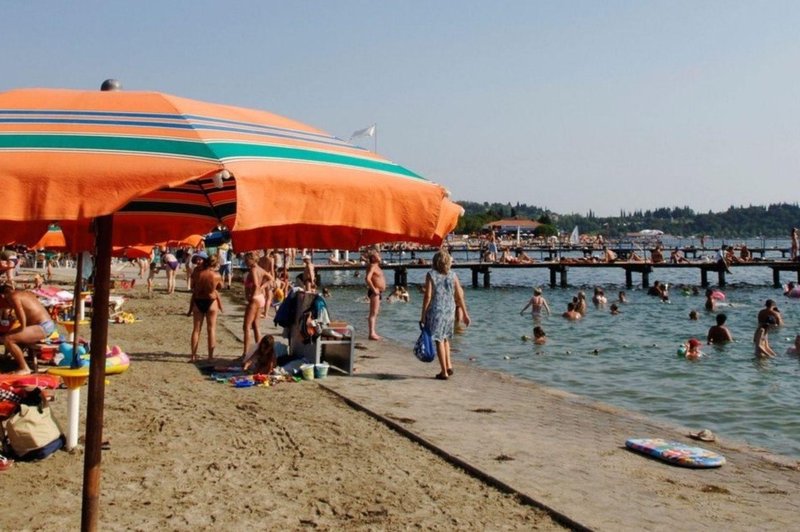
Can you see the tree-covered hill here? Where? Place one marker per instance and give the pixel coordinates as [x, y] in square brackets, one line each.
[753, 221]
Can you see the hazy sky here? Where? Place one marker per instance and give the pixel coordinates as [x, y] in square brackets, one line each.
[568, 105]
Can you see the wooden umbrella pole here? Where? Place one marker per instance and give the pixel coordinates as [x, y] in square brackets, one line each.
[76, 359]
[97, 374]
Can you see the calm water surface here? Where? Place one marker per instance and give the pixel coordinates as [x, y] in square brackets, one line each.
[627, 360]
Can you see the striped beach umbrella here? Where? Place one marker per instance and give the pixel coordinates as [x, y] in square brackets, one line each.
[138, 167]
[166, 167]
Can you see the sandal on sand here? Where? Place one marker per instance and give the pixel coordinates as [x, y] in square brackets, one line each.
[5, 463]
[441, 377]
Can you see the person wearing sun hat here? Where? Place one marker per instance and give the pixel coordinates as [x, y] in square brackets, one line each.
[693, 349]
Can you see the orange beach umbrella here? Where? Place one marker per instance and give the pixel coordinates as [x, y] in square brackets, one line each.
[166, 167]
[133, 167]
[52, 239]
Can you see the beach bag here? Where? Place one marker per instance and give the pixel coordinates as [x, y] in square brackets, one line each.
[9, 401]
[32, 433]
[424, 348]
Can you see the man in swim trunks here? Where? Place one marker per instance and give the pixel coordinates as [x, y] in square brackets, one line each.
[719, 333]
[35, 324]
[205, 302]
[376, 284]
[309, 274]
[571, 314]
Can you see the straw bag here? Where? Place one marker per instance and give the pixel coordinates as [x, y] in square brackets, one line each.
[424, 349]
[32, 433]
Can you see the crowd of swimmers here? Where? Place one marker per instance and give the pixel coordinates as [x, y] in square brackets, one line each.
[768, 318]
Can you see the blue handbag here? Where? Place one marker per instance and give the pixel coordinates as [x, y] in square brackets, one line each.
[424, 348]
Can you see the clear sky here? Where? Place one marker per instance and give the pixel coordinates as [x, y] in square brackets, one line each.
[569, 105]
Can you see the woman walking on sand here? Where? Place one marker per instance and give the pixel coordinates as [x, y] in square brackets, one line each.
[443, 295]
[255, 281]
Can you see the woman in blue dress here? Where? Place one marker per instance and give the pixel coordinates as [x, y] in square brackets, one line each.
[443, 295]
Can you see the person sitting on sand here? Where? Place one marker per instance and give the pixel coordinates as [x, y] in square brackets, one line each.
[719, 333]
[761, 342]
[35, 324]
[539, 336]
[693, 349]
[571, 314]
[262, 357]
[537, 303]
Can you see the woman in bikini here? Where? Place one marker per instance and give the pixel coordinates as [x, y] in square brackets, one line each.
[255, 281]
[171, 265]
[205, 303]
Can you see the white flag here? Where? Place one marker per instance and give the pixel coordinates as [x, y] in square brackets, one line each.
[366, 132]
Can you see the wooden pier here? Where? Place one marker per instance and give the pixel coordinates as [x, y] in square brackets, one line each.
[559, 270]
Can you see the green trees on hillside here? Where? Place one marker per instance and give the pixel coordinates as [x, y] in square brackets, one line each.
[753, 221]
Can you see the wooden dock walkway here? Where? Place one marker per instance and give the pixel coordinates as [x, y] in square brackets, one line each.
[559, 270]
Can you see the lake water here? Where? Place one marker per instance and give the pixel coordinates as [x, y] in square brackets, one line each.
[627, 360]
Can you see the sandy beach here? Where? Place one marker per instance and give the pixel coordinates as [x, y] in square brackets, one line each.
[389, 448]
[188, 453]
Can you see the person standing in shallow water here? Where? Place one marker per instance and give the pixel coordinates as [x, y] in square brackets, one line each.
[443, 295]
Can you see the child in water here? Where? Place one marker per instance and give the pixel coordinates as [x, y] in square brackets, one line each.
[539, 336]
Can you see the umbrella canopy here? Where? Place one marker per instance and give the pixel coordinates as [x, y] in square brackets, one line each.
[167, 166]
[133, 167]
[132, 252]
[191, 241]
[52, 239]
